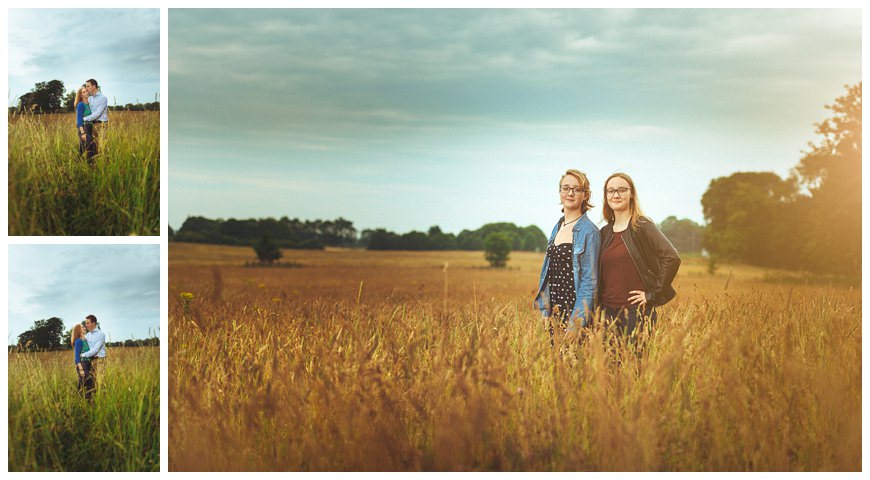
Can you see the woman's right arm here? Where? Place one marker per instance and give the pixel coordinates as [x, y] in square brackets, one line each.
[667, 255]
[78, 350]
[80, 114]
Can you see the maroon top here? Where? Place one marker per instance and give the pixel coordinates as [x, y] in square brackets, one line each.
[618, 274]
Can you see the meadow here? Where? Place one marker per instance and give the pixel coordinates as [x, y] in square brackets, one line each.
[53, 190]
[53, 428]
[364, 360]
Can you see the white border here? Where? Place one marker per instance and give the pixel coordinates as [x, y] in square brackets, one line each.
[164, 197]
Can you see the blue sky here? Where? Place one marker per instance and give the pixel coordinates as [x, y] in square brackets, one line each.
[120, 48]
[119, 284]
[405, 119]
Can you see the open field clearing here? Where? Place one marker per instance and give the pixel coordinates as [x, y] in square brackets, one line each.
[53, 428]
[53, 190]
[364, 360]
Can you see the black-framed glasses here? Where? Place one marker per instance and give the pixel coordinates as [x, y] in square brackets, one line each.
[622, 191]
[565, 190]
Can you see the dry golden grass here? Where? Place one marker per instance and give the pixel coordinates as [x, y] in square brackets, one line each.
[385, 361]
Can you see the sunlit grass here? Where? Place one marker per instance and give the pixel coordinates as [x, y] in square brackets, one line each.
[357, 361]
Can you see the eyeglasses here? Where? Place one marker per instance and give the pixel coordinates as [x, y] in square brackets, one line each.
[566, 190]
[622, 191]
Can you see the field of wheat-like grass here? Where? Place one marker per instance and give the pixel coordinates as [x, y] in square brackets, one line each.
[53, 428]
[53, 190]
[428, 361]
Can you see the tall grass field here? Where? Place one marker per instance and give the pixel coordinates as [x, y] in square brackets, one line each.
[383, 361]
[53, 190]
[53, 428]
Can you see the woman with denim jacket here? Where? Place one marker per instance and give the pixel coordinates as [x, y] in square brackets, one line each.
[569, 277]
[638, 263]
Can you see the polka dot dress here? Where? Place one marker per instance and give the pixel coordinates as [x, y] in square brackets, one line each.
[560, 278]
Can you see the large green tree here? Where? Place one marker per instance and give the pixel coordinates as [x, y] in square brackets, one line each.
[46, 97]
[810, 221]
[748, 217]
[831, 171]
[44, 335]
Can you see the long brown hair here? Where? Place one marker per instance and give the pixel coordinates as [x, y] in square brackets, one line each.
[633, 203]
[584, 184]
[76, 334]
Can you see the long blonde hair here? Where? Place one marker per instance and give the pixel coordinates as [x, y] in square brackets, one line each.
[75, 335]
[584, 184]
[633, 203]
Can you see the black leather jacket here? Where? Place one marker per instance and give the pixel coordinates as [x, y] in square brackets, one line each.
[655, 258]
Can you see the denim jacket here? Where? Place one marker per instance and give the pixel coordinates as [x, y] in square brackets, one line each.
[586, 247]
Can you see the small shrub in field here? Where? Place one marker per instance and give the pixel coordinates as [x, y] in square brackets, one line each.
[498, 248]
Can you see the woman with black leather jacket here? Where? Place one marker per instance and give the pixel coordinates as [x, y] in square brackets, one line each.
[637, 262]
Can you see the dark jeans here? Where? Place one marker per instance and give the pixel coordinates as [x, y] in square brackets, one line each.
[87, 383]
[89, 144]
[627, 319]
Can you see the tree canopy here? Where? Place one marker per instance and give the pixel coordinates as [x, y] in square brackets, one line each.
[44, 335]
[45, 97]
[809, 221]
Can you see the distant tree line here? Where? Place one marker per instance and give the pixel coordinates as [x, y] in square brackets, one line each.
[529, 238]
[50, 334]
[147, 342]
[686, 235]
[50, 97]
[283, 233]
[317, 234]
[810, 221]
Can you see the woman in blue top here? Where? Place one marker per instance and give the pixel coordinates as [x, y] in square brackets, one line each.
[569, 278]
[83, 364]
[85, 129]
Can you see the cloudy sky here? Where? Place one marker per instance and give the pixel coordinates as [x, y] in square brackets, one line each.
[405, 119]
[118, 48]
[119, 284]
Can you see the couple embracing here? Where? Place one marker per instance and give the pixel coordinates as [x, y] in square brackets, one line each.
[625, 269]
[91, 116]
[89, 350]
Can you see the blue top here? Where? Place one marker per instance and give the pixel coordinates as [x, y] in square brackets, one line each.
[586, 246]
[82, 110]
[99, 105]
[80, 345]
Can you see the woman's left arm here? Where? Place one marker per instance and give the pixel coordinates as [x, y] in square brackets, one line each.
[666, 255]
